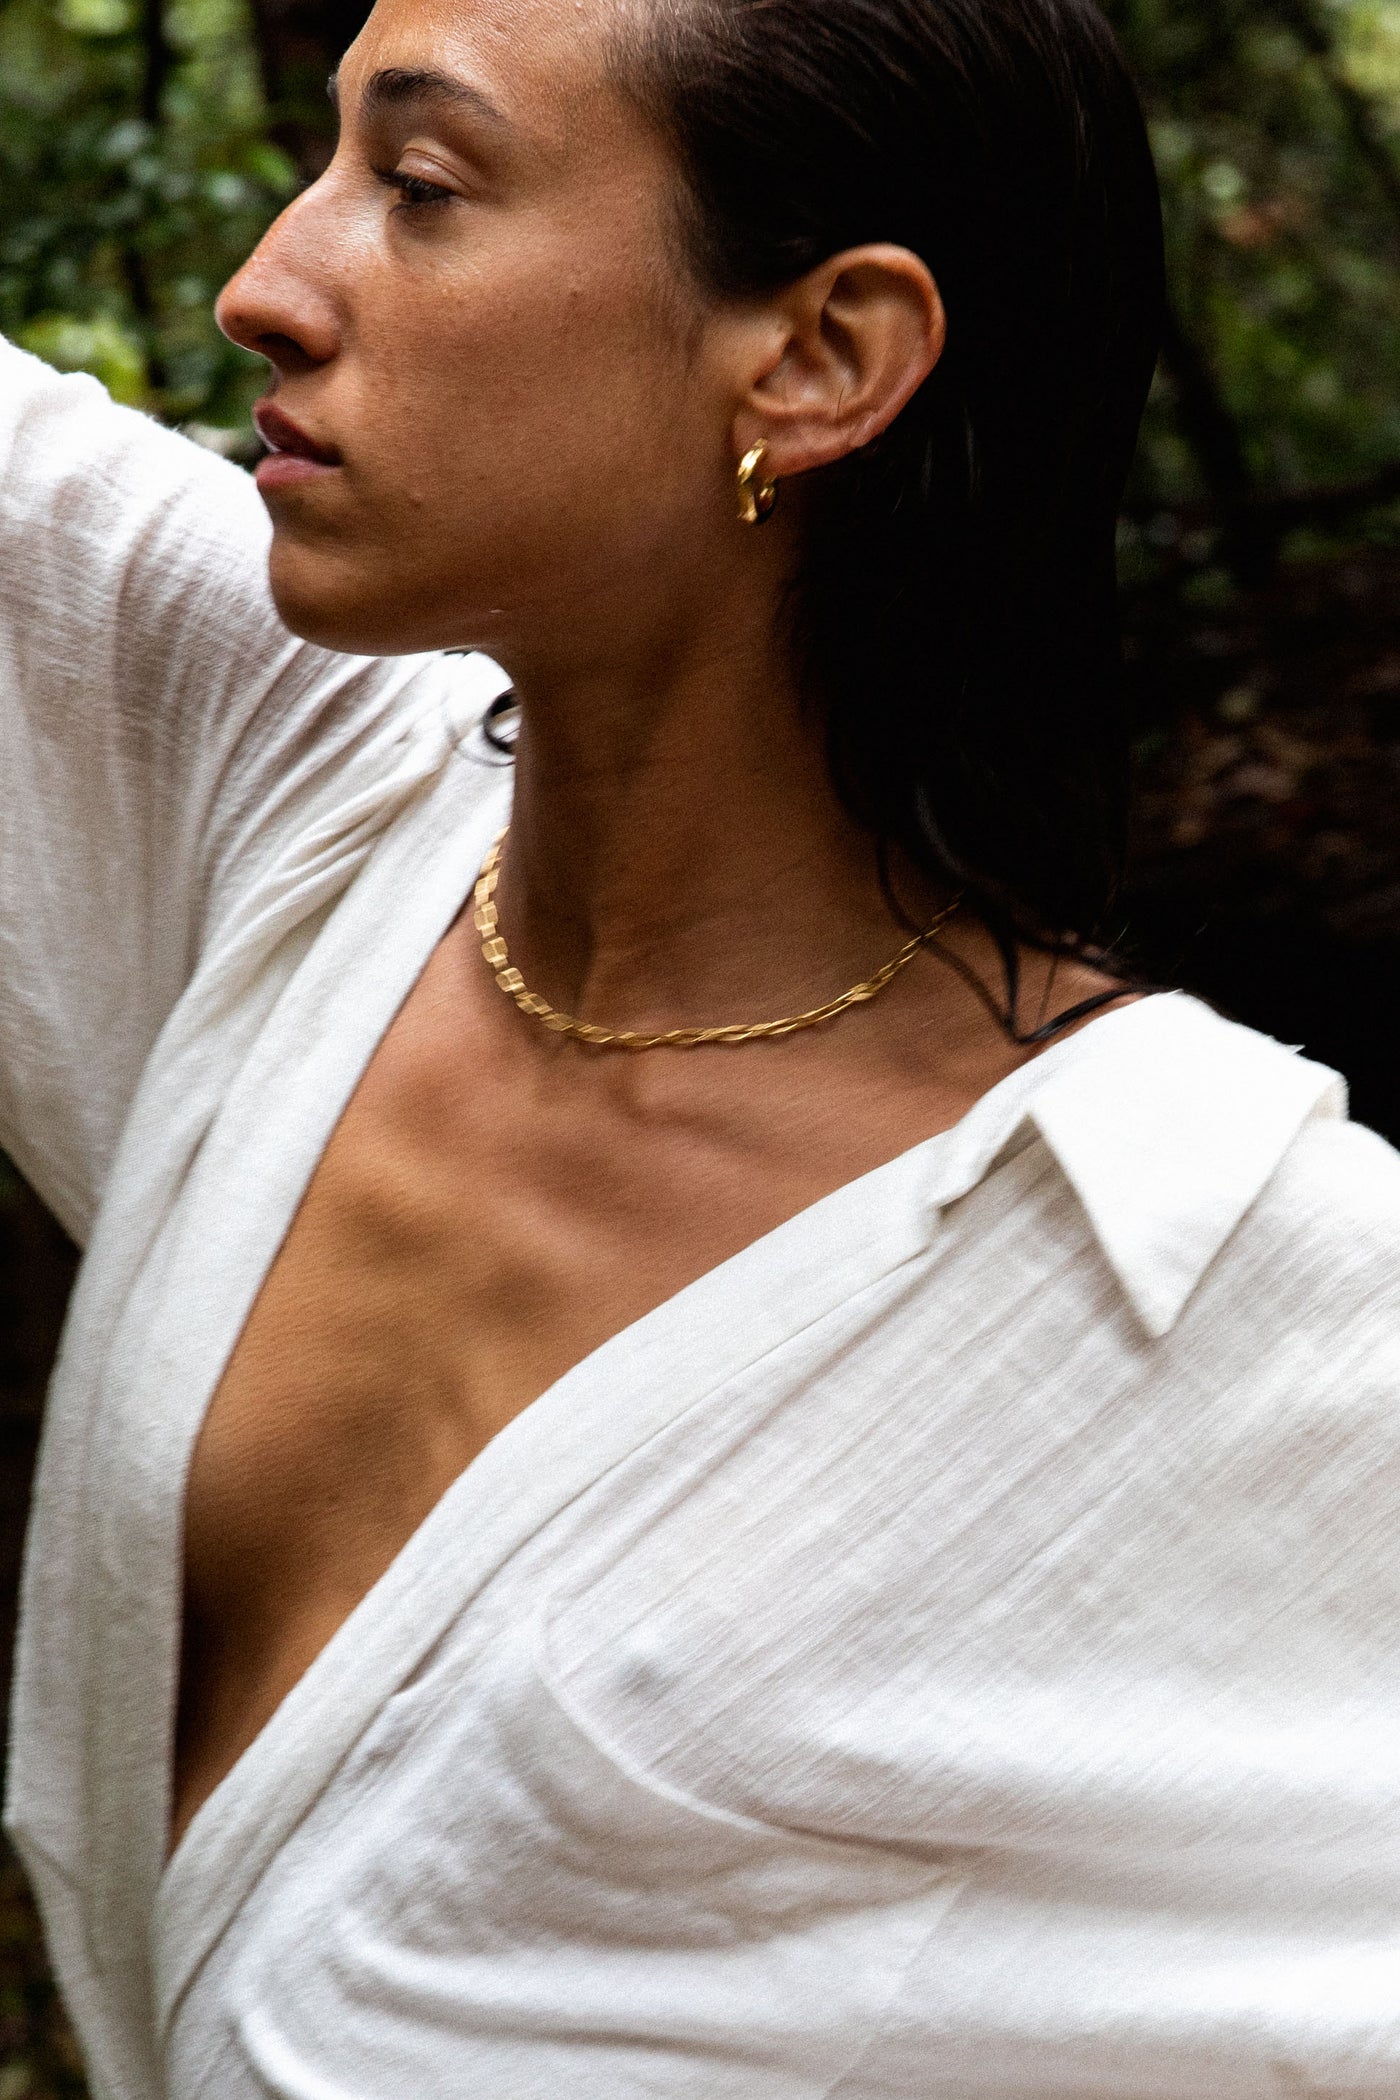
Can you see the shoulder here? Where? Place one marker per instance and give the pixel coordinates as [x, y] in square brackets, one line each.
[1195, 1146]
[1297, 1318]
[1325, 1228]
[100, 467]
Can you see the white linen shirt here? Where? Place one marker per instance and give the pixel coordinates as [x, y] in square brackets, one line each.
[950, 1649]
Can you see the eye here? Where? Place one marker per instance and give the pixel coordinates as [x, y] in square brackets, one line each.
[415, 190]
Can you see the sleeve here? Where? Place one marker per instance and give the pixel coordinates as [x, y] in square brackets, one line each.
[150, 703]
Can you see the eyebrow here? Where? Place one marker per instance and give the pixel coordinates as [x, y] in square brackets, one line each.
[394, 86]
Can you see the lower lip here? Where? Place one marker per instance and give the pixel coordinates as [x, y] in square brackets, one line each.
[288, 470]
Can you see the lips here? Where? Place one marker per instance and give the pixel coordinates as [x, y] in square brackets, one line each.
[283, 437]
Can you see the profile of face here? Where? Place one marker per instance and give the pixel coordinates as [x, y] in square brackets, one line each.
[506, 409]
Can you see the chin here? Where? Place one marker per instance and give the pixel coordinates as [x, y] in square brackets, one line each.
[325, 601]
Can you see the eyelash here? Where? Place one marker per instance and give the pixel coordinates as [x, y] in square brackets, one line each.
[417, 194]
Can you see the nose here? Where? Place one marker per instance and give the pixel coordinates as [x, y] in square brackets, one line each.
[282, 304]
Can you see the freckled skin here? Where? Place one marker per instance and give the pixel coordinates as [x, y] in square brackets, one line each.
[538, 415]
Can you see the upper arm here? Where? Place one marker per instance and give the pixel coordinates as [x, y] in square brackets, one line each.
[151, 702]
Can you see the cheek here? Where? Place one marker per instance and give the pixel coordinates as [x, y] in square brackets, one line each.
[529, 432]
[533, 409]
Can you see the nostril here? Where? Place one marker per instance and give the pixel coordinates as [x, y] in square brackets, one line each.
[284, 352]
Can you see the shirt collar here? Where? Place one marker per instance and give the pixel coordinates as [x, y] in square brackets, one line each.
[1167, 1127]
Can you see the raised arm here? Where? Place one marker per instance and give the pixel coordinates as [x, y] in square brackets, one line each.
[150, 703]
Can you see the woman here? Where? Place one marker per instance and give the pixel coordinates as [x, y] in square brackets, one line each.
[855, 1557]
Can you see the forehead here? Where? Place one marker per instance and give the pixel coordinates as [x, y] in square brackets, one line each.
[541, 65]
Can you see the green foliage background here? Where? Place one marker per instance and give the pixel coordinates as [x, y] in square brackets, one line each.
[1274, 131]
[136, 169]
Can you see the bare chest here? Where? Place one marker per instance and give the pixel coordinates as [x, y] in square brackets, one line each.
[482, 1219]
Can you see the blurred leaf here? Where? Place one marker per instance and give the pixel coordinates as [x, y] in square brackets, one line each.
[96, 17]
[270, 166]
[122, 215]
[100, 346]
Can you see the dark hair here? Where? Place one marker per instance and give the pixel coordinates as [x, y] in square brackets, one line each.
[956, 607]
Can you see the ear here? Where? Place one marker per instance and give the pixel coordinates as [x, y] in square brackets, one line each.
[842, 350]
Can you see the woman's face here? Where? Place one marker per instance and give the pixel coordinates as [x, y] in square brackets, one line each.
[523, 409]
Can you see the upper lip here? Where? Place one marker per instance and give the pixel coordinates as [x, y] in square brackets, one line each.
[280, 434]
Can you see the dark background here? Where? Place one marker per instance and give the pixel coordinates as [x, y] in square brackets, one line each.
[145, 143]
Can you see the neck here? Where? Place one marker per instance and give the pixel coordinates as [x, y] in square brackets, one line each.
[677, 854]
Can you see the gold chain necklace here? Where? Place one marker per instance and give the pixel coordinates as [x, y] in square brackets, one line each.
[510, 981]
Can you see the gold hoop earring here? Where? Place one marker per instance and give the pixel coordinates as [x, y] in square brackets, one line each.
[757, 494]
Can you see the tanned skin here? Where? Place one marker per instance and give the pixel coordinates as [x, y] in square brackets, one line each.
[538, 414]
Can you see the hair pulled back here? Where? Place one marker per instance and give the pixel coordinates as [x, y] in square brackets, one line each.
[955, 611]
